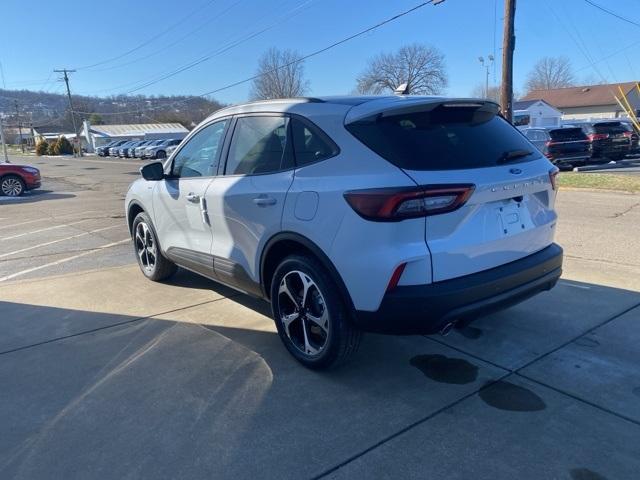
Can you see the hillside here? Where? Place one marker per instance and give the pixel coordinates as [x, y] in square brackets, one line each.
[51, 109]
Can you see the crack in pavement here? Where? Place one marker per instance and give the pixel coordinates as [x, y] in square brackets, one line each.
[117, 324]
[624, 212]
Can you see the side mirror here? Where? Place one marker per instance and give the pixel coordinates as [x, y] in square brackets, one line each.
[153, 171]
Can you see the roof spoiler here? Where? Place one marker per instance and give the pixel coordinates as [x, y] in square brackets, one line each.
[376, 109]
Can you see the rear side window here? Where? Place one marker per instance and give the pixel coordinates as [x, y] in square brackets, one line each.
[310, 143]
[444, 139]
[259, 146]
[567, 134]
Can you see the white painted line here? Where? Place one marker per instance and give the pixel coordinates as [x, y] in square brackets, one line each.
[2, 227]
[569, 284]
[57, 241]
[63, 260]
[44, 229]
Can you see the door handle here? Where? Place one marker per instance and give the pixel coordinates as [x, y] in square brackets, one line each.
[264, 201]
[193, 198]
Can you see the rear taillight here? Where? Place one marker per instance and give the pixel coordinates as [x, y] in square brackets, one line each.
[627, 134]
[553, 174]
[395, 204]
[597, 136]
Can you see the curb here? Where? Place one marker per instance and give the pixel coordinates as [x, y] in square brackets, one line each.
[608, 166]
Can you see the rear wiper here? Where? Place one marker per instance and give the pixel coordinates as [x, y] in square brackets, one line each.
[507, 157]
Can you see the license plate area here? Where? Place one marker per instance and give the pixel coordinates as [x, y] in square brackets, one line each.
[510, 218]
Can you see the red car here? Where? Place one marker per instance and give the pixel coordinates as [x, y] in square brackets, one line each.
[16, 179]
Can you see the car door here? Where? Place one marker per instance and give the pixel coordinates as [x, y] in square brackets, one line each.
[246, 201]
[180, 209]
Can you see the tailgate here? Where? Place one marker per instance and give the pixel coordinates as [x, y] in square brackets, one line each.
[509, 216]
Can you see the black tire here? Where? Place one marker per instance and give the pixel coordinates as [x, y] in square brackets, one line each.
[12, 186]
[161, 267]
[161, 154]
[334, 344]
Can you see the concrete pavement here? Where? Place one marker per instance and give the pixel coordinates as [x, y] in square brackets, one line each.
[104, 374]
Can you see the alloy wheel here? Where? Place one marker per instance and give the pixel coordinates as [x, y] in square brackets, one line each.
[11, 187]
[303, 313]
[145, 246]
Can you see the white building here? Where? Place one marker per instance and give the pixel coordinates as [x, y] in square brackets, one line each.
[535, 113]
[98, 135]
[590, 102]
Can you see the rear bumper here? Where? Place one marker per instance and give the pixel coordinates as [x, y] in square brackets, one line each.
[425, 309]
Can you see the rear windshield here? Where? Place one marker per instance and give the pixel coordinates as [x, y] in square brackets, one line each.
[567, 134]
[609, 127]
[446, 138]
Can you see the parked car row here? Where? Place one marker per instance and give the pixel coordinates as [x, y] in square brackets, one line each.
[157, 149]
[577, 143]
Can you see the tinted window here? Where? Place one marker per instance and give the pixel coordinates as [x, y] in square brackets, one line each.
[259, 145]
[443, 139]
[310, 143]
[609, 127]
[567, 134]
[199, 156]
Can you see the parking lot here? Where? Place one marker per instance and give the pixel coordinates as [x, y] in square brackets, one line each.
[107, 375]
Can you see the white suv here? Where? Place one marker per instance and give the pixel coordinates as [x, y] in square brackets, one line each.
[387, 214]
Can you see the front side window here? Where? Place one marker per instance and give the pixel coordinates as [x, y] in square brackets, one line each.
[199, 156]
[259, 146]
[310, 144]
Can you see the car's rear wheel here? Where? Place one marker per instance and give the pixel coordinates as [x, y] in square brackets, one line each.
[310, 314]
[12, 186]
[154, 265]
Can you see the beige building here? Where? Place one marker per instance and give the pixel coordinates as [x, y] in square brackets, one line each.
[589, 101]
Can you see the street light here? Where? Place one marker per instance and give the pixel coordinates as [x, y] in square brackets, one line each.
[487, 65]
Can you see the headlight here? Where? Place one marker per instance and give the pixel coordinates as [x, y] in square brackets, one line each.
[31, 170]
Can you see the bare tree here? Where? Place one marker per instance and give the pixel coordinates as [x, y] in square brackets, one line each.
[281, 75]
[550, 72]
[421, 67]
[493, 94]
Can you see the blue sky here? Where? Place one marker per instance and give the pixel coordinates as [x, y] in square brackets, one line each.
[35, 41]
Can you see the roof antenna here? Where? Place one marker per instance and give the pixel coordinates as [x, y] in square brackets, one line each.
[402, 89]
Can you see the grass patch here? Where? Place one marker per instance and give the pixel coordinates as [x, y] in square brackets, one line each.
[600, 181]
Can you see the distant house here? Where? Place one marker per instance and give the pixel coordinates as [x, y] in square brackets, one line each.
[535, 113]
[589, 101]
[98, 135]
[12, 135]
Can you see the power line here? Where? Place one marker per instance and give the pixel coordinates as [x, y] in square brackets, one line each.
[139, 85]
[329, 47]
[175, 42]
[620, 17]
[148, 41]
[301, 59]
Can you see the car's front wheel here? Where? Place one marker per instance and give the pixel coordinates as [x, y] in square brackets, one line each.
[154, 265]
[161, 154]
[12, 186]
[310, 314]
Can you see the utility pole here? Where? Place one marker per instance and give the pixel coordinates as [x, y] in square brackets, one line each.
[4, 145]
[15, 103]
[65, 72]
[508, 46]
